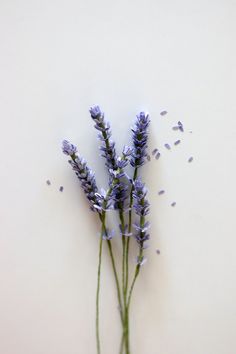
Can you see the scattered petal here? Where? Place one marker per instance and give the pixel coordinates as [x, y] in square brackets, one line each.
[177, 142]
[181, 128]
[154, 151]
[61, 188]
[163, 113]
[167, 146]
[175, 127]
[48, 182]
[190, 159]
[161, 192]
[173, 204]
[158, 155]
[148, 157]
[158, 251]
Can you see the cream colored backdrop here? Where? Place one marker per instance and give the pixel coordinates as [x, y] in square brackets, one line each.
[59, 57]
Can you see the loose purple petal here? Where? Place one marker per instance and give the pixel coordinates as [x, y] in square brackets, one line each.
[177, 142]
[190, 159]
[181, 127]
[140, 138]
[161, 192]
[48, 182]
[173, 204]
[167, 146]
[148, 157]
[154, 151]
[176, 127]
[158, 155]
[61, 188]
[158, 251]
[163, 113]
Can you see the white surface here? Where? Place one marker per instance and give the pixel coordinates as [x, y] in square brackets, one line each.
[58, 58]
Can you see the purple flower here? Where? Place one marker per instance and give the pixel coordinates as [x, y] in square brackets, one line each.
[181, 128]
[141, 207]
[154, 151]
[68, 148]
[141, 204]
[127, 151]
[140, 136]
[108, 234]
[158, 155]
[114, 163]
[163, 113]
[161, 192]
[124, 230]
[83, 172]
[95, 111]
[177, 142]
[167, 146]
[190, 159]
[108, 146]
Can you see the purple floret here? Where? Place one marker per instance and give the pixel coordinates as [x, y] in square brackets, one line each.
[83, 172]
[140, 137]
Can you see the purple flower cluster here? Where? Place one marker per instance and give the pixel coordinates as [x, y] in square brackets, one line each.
[108, 146]
[84, 174]
[141, 207]
[140, 136]
[115, 164]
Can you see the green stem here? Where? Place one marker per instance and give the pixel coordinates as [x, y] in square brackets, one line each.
[126, 252]
[98, 283]
[116, 278]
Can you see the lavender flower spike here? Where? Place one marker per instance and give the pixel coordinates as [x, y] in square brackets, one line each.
[141, 207]
[108, 146]
[140, 136]
[114, 163]
[84, 174]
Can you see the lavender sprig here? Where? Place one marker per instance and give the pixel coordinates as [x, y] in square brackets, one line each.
[108, 145]
[84, 174]
[140, 136]
[98, 202]
[141, 207]
[115, 164]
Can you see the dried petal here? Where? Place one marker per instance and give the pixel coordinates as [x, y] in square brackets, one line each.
[163, 113]
[167, 146]
[161, 192]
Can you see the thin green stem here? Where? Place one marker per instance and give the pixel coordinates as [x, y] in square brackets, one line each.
[127, 241]
[116, 278]
[98, 283]
[140, 256]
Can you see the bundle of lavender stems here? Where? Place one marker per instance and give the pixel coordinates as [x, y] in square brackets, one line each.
[126, 195]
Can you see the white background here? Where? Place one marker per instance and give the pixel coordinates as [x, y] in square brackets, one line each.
[57, 59]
